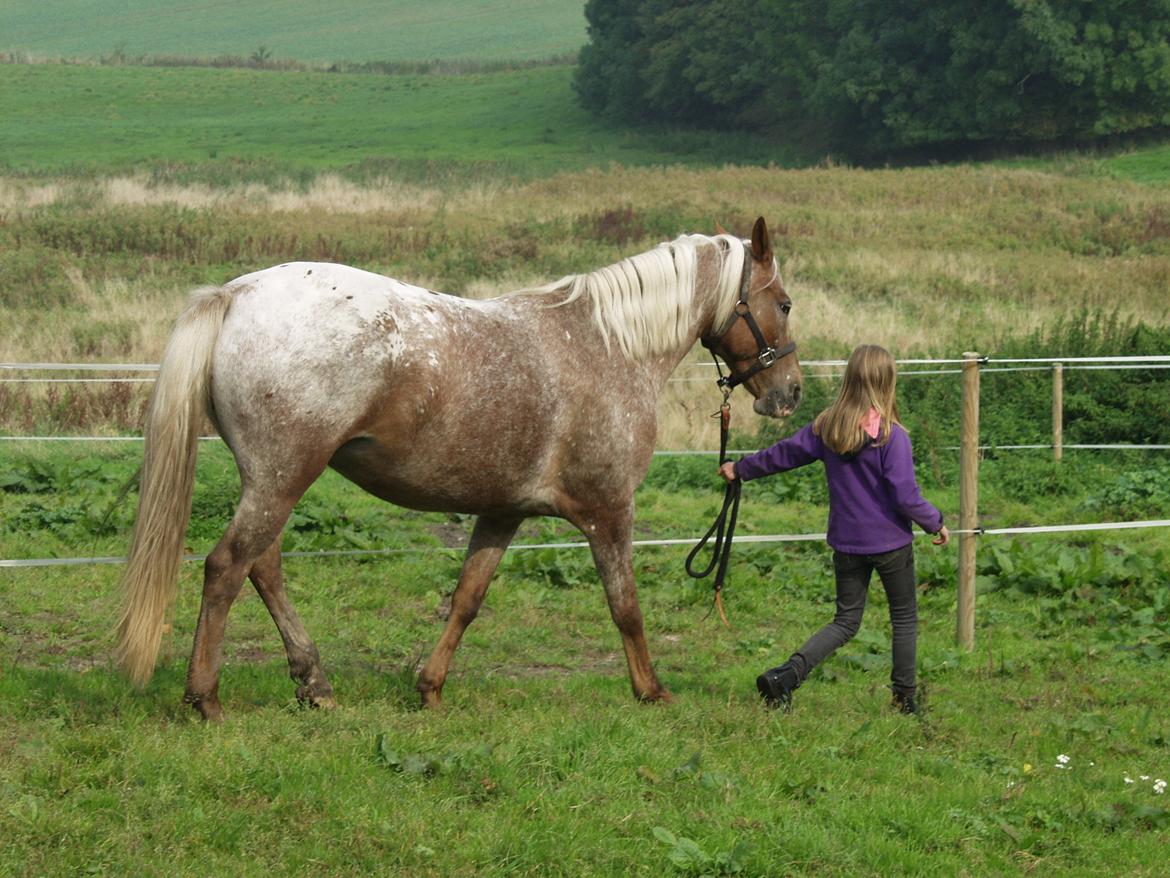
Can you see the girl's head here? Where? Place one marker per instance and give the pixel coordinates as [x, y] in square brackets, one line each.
[870, 382]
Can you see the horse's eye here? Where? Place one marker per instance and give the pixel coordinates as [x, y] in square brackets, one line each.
[786, 307]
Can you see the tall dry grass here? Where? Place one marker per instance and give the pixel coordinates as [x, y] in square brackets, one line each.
[933, 260]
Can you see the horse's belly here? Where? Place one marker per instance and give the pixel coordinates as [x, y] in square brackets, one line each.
[436, 483]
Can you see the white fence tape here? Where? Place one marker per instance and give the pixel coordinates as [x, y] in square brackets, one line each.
[81, 367]
[1135, 358]
[688, 541]
[660, 453]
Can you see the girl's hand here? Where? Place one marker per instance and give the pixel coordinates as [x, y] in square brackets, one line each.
[727, 470]
[942, 537]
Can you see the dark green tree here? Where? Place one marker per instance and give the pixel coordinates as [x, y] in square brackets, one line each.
[867, 78]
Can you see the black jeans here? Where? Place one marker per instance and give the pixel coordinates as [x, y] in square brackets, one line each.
[896, 570]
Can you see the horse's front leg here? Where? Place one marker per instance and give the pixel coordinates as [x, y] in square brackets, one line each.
[489, 538]
[610, 535]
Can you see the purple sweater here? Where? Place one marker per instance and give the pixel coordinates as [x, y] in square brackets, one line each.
[873, 496]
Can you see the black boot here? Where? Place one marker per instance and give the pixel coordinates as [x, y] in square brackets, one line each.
[904, 702]
[777, 685]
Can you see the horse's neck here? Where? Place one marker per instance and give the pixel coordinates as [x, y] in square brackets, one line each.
[701, 323]
[574, 324]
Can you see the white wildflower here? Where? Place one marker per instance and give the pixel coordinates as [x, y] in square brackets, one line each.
[1159, 786]
[1143, 777]
[1062, 759]
[1128, 779]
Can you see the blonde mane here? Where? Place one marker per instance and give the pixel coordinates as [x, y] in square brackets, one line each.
[646, 303]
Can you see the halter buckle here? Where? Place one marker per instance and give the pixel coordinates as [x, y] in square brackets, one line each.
[767, 357]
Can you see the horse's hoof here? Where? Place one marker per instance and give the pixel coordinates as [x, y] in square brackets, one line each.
[316, 700]
[660, 696]
[432, 699]
[209, 709]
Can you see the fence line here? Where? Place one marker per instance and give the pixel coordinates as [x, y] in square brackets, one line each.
[1071, 368]
[77, 380]
[679, 541]
[658, 453]
[1129, 358]
[86, 438]
[1072, 363]
[1134, 358]
[1082, 447]
[81, 367]
[907, 373]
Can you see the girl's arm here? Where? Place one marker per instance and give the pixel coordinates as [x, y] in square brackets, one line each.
[797, 450]
[898, 468]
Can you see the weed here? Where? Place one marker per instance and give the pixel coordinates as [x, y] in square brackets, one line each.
[691, 859]
[1134, 493]
[552, 567]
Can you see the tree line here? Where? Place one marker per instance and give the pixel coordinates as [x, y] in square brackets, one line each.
[867, 78]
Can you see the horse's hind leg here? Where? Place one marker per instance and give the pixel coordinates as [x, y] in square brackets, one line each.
[304, 662]
[610, 535]
[489, 539]
[257, 524]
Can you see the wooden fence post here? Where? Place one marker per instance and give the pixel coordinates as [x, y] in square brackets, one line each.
[968, 501]
[1057, 411]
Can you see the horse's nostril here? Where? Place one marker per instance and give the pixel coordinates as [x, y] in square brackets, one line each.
[796, 393]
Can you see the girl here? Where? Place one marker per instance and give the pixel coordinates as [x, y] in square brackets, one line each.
[873, 498]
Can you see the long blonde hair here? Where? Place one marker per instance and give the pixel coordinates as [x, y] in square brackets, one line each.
[870, 381]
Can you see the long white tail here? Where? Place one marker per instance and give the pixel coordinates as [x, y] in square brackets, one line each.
[176, 412]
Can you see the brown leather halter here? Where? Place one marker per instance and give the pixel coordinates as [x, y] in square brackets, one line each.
[766, 355]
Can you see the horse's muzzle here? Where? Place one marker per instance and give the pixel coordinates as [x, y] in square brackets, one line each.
[779, 403]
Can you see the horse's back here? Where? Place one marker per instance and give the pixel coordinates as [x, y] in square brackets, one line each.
[422, 398]
[308, 347]
[318, 310]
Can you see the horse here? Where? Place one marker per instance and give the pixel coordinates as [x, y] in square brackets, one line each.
[540, 402]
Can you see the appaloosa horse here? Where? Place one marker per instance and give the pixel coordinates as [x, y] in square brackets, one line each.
[539, 402]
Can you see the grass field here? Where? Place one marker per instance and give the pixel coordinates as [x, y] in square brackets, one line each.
[541, 763]
[357, 30]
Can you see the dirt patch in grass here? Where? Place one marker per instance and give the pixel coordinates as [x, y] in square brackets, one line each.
[452, 534]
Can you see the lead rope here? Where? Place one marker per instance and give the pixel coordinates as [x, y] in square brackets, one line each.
[723, 528]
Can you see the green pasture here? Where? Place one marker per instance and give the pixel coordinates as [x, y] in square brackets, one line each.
[224, 125]
[365, 30]
[541, 762]
[510, 122]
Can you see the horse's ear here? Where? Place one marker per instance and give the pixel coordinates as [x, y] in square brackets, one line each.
[761, 242]
[719, 230]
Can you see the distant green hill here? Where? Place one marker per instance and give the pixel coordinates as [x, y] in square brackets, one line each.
[302, 30]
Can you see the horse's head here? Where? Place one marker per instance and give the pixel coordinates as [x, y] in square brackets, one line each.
[756, 343]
